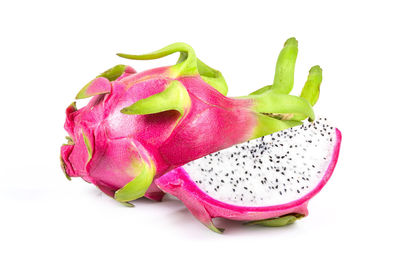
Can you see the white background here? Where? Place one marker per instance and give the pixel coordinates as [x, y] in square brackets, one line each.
[49, 50]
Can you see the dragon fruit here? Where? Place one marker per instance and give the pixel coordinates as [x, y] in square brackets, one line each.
[139, 126]
[266, 181]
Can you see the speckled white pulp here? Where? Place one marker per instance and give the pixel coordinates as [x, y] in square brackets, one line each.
[270, 170]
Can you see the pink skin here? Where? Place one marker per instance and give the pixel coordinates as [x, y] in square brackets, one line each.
[99, 85]
[128, 71]
[121, 143]
[154, 193]
[179, 184]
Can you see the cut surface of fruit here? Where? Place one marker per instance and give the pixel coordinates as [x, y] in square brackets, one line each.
[270, 170]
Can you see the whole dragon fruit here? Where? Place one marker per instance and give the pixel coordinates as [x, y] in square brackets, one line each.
[139, 126]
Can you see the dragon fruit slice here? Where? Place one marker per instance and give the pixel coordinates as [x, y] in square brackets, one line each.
[138, 126]
[266, 181]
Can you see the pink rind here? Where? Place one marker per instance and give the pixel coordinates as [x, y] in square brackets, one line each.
[154, 193]
[204, 208]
